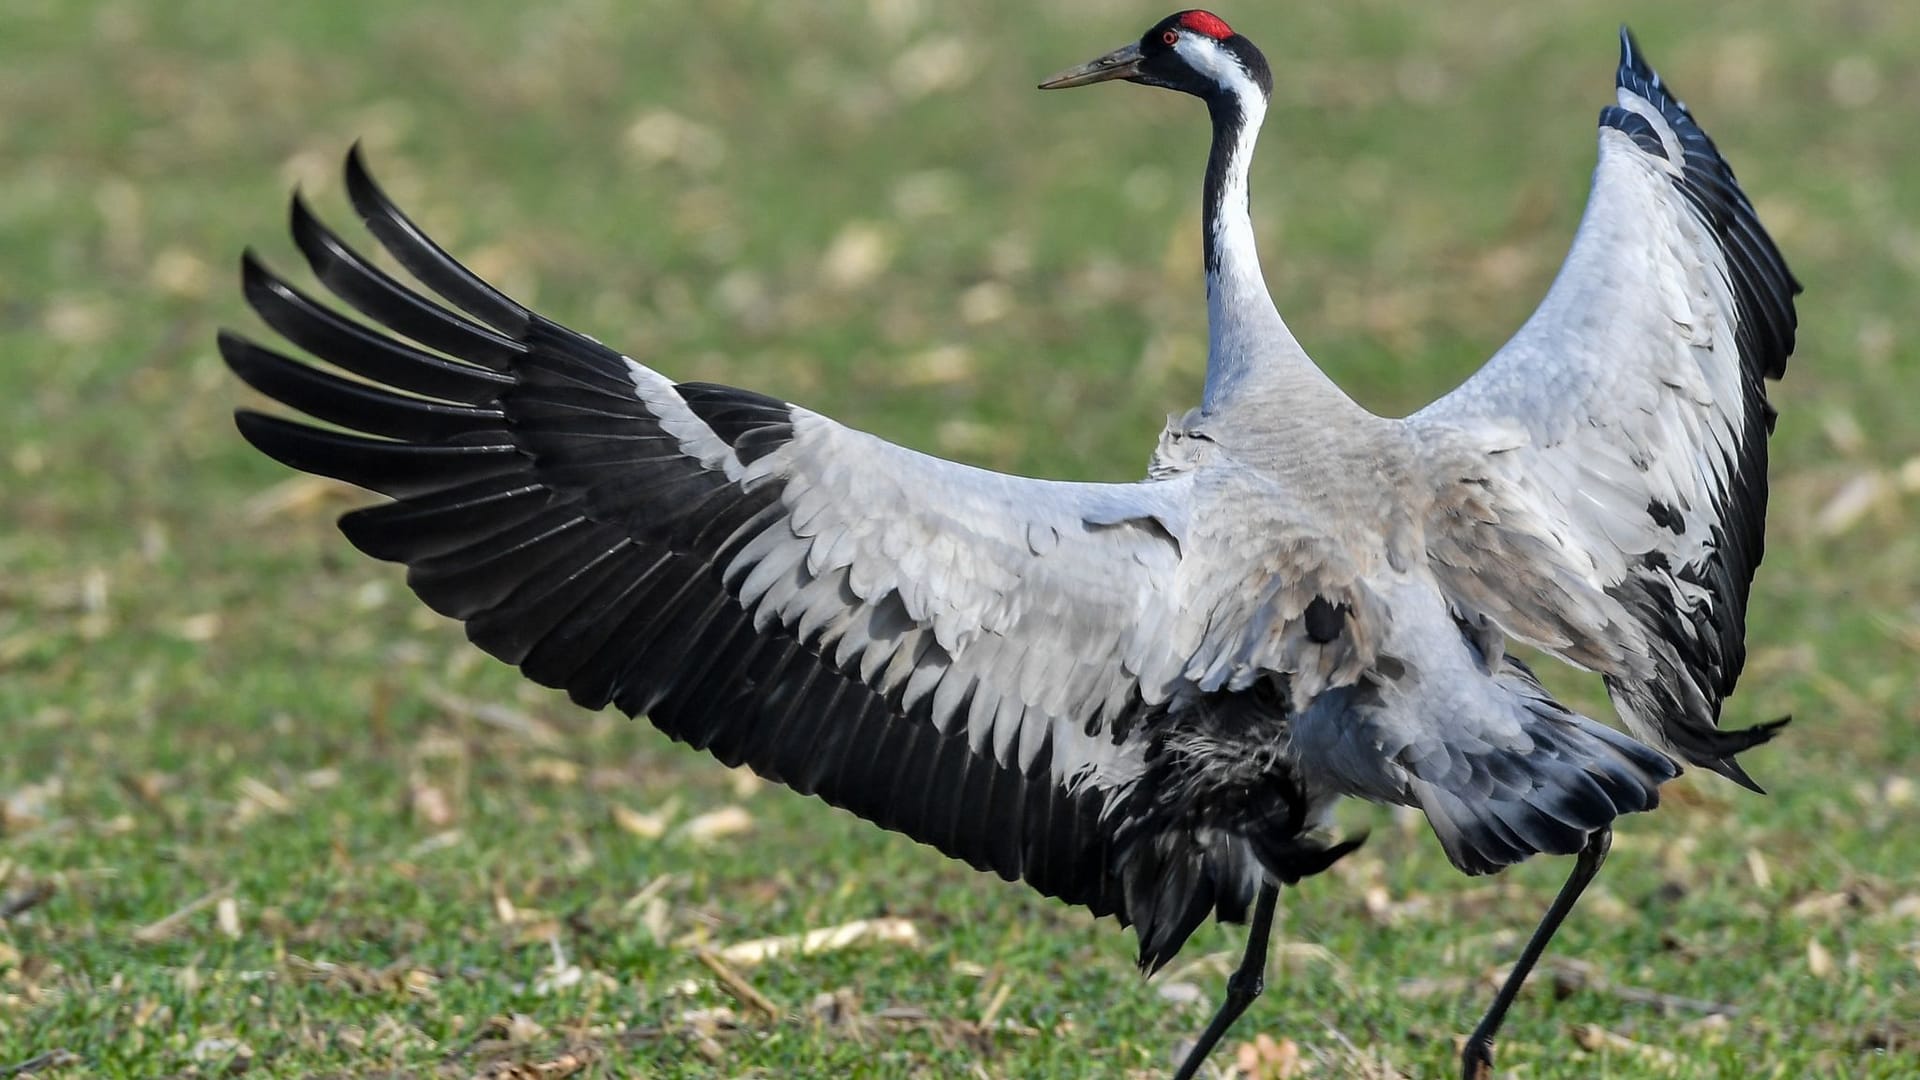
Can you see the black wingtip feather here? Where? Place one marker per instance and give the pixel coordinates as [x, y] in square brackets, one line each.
[376, 294]
[395, 469]
[359, 348]
[424, 258]
[360, 406]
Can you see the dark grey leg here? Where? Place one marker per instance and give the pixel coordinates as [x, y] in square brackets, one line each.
[1243, 985]
[1476, 1061]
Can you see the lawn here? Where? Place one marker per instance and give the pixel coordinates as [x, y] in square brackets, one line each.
[260, 812]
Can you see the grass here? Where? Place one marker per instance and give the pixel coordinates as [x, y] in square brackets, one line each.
[259, 811]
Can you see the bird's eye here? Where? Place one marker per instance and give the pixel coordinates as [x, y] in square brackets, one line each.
[1171, 37]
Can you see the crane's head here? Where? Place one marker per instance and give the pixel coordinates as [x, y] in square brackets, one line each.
[1194, 52]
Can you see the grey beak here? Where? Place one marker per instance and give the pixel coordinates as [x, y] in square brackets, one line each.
[1121, 63]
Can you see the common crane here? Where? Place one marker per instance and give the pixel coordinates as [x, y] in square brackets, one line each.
[1142, 698]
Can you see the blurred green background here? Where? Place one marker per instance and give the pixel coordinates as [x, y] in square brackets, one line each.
[259, 811]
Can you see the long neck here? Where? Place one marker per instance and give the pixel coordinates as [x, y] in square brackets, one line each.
[1251, 355]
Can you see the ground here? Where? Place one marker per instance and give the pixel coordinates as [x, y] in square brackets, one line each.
[258, 810]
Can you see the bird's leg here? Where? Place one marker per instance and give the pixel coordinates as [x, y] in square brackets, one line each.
[1243, 985]
[1477, 1059]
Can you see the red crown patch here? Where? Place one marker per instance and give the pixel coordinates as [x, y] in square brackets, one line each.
[1206, 22]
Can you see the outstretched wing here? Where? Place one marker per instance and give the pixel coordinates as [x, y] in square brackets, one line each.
[1642, 417]
[949, 652]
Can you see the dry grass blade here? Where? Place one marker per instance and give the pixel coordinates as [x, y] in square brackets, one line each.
[513, 722]
[164, 928]
[1569, 976]
[260, 794]
[998, 1002]
[742, 990]
[52, 1059]
[1369, 1064]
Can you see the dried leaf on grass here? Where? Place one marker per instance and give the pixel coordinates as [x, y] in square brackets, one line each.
[889, 931]
[563, 974]
[566, 1064]
[257, 796]
[554, 770]
[1285, 955]
[197, 629]
[1594, 1039]
[397, 979]
[515, 722]
[1568, 976]
[1819, 960]
[646, 826]
[839, 1011]
[430, 805]
[439, 841]
[716, 825]
[946, 1029]
[1858, 497]
[1823, 905]
[25, 900]
[226, 915]
[30, 805]
[302, 497]
[220, 1049]
[1180, 993]
[1264, 1058]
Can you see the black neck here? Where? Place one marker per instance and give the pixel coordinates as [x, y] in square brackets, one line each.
[1229, 127]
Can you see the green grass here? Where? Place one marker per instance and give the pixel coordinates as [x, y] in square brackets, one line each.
[205, 695]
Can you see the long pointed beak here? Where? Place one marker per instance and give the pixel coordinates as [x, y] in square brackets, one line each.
[1121, 63]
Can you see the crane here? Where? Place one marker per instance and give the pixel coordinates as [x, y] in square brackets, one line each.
[1141, 698]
